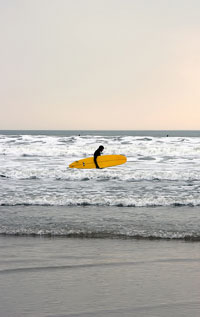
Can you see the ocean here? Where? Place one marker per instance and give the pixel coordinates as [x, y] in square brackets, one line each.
[64, 229]
[160, 172]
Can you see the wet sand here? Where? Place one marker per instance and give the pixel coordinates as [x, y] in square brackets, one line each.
[98, 277]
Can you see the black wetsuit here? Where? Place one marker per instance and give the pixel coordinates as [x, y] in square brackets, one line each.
[96, 154]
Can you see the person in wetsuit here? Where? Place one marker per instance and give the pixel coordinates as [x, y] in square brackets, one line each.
[98, 153]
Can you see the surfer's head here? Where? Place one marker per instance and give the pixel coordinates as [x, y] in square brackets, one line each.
[101, 148]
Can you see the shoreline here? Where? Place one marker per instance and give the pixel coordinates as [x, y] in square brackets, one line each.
[98, 237]
[99, 222]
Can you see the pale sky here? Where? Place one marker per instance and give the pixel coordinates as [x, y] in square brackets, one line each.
[100, 64]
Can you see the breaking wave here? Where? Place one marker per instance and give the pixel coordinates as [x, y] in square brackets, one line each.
[102, 235]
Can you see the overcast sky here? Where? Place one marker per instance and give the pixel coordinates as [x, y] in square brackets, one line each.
[100, 64]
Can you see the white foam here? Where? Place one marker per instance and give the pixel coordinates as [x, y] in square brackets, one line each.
[159, 171]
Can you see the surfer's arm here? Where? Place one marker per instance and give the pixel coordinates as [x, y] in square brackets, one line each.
[95, 161]
[96, 154]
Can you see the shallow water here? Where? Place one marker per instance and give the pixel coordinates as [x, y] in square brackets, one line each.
[173, 223]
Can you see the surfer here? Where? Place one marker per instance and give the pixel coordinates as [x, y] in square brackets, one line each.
[98, 153]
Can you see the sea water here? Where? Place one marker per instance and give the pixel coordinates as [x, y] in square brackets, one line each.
[156, 194]
[121, 241]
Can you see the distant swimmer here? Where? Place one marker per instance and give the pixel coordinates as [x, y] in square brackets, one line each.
[98, 153]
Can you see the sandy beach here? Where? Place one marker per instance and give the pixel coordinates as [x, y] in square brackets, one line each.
[98, 277]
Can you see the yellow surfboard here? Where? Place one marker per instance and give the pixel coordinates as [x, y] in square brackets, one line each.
[103, 161]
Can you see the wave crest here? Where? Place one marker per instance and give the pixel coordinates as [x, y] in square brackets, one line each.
[102, 235]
